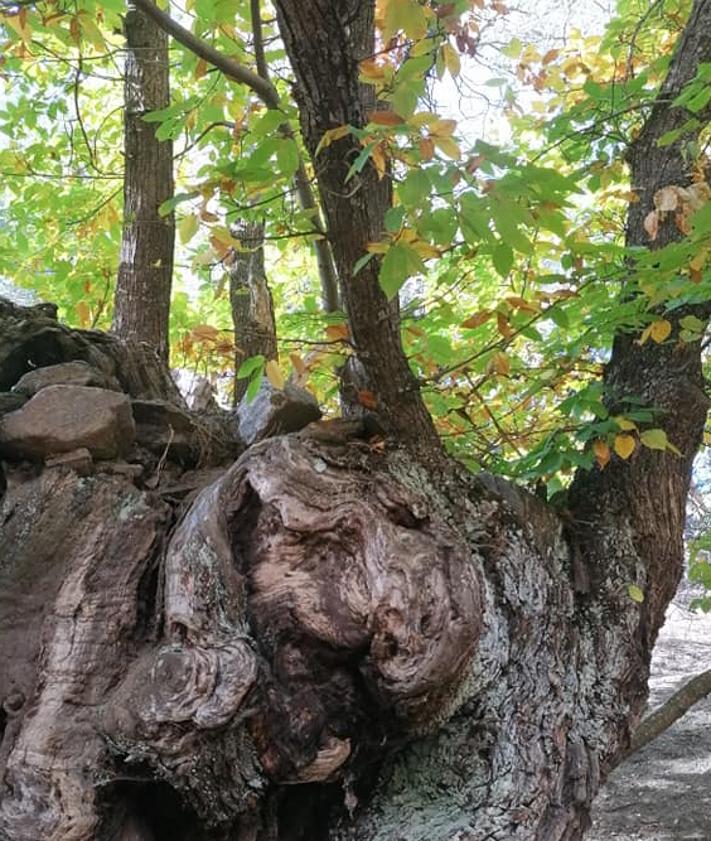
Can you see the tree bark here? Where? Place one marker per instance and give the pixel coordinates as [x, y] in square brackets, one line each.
[325, 44]
[334, 641]
[143, 285]
[251, 302]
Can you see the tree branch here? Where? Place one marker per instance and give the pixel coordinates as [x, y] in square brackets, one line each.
[666, 377]
[258, 37]
[671, 710]
[231, 68]
[265, 90]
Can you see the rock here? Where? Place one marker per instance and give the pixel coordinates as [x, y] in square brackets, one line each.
[162, 426]
[120, 468]
[66, 373]
[10, 402]
[276, 412]
[79, 460]
[62, 418]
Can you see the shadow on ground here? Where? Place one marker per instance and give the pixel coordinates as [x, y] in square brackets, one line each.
[663, 793]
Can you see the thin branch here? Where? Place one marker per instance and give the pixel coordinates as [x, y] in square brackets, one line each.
[30, 173]
[231, 68]
[258, 39]
[206, 130]
[266, 91]
[653, 7]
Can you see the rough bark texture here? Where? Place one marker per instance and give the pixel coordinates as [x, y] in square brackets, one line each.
[142, 301]
[325, 43]
[305, 194]
[334, 639]
[251, 301]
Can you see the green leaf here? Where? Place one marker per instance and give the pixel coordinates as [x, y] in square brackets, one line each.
[266, 124]
[361, 262]
[656, 439]
[513, 48]
[414, 189]
[249, 366]
[503, 259]
[361, 160]
[169, 205]
[399, 263]
[439, 226]
[393, 219]
[287, 155]
[254, 385]
[188, 227]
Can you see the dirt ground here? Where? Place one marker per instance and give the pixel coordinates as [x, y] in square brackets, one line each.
[663, 793]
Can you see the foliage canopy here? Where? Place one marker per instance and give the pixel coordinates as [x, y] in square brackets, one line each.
[510, 259]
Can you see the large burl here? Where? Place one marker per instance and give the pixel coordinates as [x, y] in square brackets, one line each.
[317, 611]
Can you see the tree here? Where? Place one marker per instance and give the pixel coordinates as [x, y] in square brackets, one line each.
[143, 287]
[357, 638]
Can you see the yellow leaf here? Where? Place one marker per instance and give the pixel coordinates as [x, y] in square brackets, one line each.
[331, 136]
[385, 118]
[377, 247]
[204, 333]
[187, 227]
[645, 335]
[697, 263]
[426, 148]
[550, 56]
[448, 146]
[667, 198]
[530, 55]
[338, 332]
[499, 363]
[200, 68]
[422, 118]
[624, 445]
[442, 128]
[602, 453]
[92, 32]
[274, 374]
[660, 330]
[298, 364]
[425, 250]
[379, 160]
[83, 313]
[222, 235]
[477, 320]
[656, 439]
[635, 593]
[19, 24]
[624, 423]
[651, 224]
[451, 59]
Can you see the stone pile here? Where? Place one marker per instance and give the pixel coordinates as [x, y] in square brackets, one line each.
[82, 400]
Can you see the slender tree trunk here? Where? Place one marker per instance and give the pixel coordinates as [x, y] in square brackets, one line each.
[325, 48]
[251, 301]
[142, 302]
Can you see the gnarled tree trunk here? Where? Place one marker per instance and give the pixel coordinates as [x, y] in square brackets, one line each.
[332, 640]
